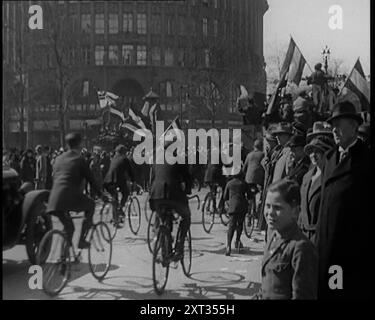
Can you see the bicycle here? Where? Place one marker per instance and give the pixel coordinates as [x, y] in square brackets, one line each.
[112, 214]
[55, 259]
[165, 251]
[147, 209]
[251, 216]
[209, 209]
[152, 226]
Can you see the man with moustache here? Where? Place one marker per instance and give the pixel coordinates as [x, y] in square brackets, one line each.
[344, 210]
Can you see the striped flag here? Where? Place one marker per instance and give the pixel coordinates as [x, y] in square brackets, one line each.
[357, 83]
[174, 129]
[146, 109]
[294, 63]
[117, 113]
[107, 99]
[138, 120]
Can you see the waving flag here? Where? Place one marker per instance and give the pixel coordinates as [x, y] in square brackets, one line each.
[357, 83]
[117, 113]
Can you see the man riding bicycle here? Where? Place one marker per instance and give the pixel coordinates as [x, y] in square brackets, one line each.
[70, 173]
[171, 183]
[118, 175]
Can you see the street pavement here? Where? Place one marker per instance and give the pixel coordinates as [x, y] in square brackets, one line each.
[213, 275]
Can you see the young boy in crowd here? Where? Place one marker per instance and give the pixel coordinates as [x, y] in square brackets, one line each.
[290, 262]
[236, 192]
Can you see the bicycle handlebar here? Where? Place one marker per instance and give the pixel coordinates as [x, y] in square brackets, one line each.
[198, 199]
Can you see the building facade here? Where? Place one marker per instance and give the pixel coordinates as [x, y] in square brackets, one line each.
[194, 54]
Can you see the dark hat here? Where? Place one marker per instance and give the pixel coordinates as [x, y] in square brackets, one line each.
[364, 129]
[283, 127]
[345, 109]
[320, 128]
[322, 145]
[297, 141]
[318, 66]
[120, 149]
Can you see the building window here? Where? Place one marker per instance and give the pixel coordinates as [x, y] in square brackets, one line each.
[113, 23]
[113, 54]
[86, 56]
[182, 22]
[205, 23]
[169, 25]
[141, 55]
[74, 23]
[99, 55]
[168, 58]
[181, 57]
[168, 89]
[207, 57]
[216, 28]
[141, 23]
[128, 22]
[156, 24]
[86, 23]
[128, 54]
[99, 23]
[156, 56]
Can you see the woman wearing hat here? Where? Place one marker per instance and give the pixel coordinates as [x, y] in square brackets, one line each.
[311, 186]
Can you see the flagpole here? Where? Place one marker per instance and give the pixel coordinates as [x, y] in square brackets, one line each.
[301, 53]
[348, 77]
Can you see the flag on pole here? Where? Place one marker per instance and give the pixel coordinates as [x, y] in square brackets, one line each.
[276, 97]
[107, 99]
[174, 129]
[357, 83]
[138, 120]
[294, 63]
[146, 109]
[117, 113]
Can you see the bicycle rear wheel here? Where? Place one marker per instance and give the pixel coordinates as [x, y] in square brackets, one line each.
[147, 208]
[134, 215]
[208, 213]
[100, 251]
[160, 260]
[151, 231]
[249, 221]
[56, 265]
[224, 217]
[187, 259]
[108, 215]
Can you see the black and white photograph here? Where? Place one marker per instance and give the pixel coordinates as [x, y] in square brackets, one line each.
[214, 150]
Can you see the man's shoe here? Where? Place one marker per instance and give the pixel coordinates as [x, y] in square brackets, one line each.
[227, 252]
[83, 244]
[239, 245]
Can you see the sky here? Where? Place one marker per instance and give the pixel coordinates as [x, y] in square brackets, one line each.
[307, 22]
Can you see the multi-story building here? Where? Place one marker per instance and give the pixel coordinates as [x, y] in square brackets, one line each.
[194, 54]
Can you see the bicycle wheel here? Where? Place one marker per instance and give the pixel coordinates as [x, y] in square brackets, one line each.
[208, 213]
[134, 215]
[224, 217]
[100, 250]
[147, 208]
[108, 215]
[56, 266]
[187, 259]
[160, 260]
[249, 221]
[151, 231]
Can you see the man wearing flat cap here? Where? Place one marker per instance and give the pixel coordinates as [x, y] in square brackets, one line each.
[343, 229]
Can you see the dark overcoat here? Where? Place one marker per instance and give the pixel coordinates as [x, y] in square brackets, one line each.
[344, 230]
[310, 202]
[119, 172]
[236, 191]
[69, 173]
[167, 182]
[253, 169]
[300, 169]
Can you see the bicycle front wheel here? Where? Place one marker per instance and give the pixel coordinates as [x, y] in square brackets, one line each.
[249, 221]
[151, 231]
[54, 259]
[187, 259]
[108, 215]
[100, 251]
[160, 260]
[208, 213]
[134, 215]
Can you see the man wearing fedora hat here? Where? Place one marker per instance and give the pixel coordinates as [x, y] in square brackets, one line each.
[344, 208]
[320, 128]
